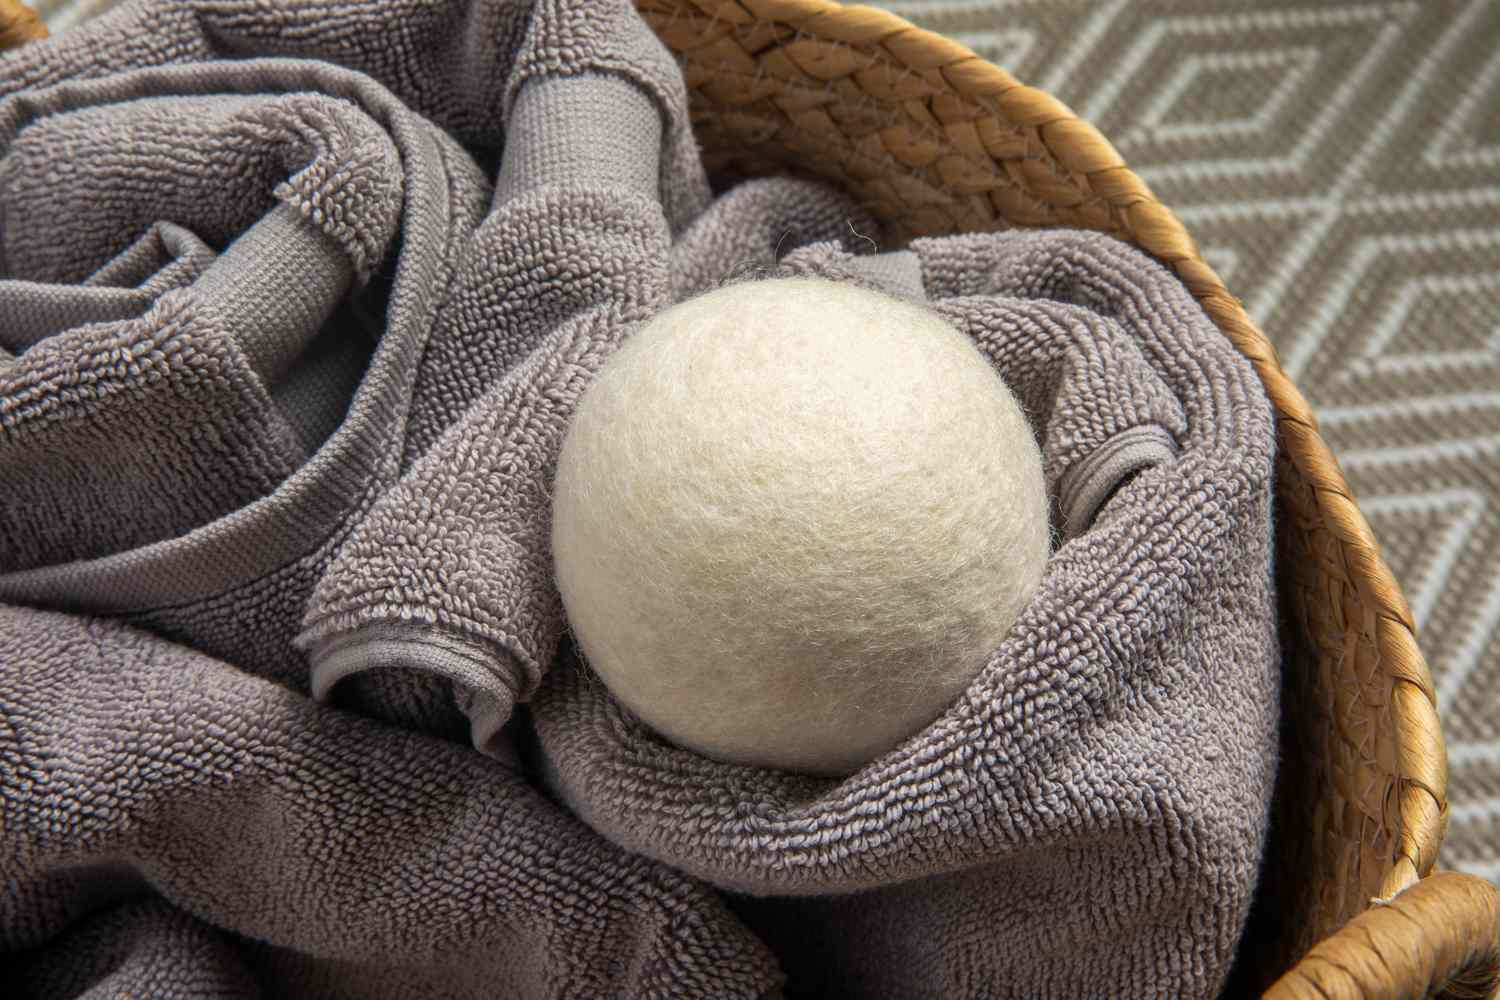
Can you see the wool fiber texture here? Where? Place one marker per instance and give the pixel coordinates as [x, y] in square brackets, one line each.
[792, 518]
[300, 301]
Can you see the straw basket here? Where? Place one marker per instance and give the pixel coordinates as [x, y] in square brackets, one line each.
[18, 24]
[935, 140]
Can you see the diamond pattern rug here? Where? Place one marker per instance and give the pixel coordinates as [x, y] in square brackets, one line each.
[1339, 162]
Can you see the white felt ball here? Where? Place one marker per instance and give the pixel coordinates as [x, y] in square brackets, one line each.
[791, 520]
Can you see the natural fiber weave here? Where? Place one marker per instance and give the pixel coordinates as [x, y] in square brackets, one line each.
[933, 140]
[18, 24]
[1449, 965]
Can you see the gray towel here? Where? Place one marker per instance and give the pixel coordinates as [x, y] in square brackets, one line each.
[1088, 819]
[299, 300]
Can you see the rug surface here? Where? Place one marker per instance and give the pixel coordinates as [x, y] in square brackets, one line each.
[1339, 162]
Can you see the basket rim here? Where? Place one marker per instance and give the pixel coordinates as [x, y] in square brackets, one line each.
[1081, 149]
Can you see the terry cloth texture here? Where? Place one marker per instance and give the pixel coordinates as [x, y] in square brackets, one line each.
[277, 422]
[1283, 135]
[1101, 787]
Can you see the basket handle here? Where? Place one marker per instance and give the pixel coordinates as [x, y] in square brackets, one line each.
[1439, 938]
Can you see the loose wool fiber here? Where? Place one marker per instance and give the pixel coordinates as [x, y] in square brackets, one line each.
[792, 519]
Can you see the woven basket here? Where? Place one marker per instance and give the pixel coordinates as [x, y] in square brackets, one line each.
[18, 24]
[933, 139]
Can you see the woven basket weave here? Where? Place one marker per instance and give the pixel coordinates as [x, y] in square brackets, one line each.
[933, 139]
[18, 24]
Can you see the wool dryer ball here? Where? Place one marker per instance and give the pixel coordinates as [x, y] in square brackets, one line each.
[792, 519]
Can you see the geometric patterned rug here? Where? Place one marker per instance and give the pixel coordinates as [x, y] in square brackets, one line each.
[1339, 163]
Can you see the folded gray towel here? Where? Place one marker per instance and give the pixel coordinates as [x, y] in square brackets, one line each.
[283, 400]
[311, 851]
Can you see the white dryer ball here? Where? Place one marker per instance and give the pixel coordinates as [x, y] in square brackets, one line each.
[792, 520]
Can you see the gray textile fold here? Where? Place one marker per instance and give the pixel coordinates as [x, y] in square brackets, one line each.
[141, 948]
[278, 429]
[308, 254]
[163, 259]
[895, 272]
[339, 857]
[1102, 787]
